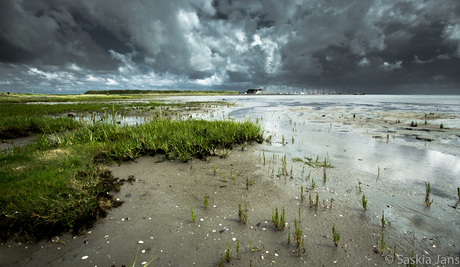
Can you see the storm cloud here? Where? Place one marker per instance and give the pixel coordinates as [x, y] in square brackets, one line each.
[374, 46]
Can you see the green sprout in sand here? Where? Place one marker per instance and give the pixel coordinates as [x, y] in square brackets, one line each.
[193, 214]
[335, 235]
[427, 196]
[228, 254]
[384, 223]
[205, 201]
[364, 201]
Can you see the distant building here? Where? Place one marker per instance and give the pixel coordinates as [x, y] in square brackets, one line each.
[254, 91]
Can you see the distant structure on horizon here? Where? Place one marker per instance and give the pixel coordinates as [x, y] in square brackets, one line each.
[253, 91]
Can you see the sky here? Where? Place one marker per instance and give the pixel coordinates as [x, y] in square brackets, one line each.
[371, 46]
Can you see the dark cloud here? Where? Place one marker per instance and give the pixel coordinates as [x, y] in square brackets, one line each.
[371, 46]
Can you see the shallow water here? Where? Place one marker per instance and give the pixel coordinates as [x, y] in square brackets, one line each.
[394, 173]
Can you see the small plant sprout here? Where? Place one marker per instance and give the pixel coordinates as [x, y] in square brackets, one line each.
[299, 214]
[251, 181]
[205, 201]
[335, 235]
[240, 212]
[238, 249]
[245, 205]
[427, 196]
[289, 235]
[411, 260]
[193, 214]
[364, 201]
[441, 126]
[297, 236]
[231, 172]
[317, 202]
[228, 254]
[313, 185]
[378, 171]
[384, 223]
[302, 197]
[214, 169]
[359, 186]
[247, 183]
[221, 264]
[135, 260]
[257, 248]
[282, 223]
[282, 139]
[311, 201]
[223, 177]
[324, 174]
[458, 192]
[382, 245]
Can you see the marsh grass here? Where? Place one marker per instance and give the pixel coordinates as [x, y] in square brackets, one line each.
[298, 240]
[22, 126]
[228, 254]
[364, 202]
[57, 182]
[427, 195]
[326, 163]
[193, 214]
[384, 223]
[382, 244]
[205, 201]
[335, 236]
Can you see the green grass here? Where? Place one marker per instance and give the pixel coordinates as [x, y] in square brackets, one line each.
[56, 183]
[13, 127]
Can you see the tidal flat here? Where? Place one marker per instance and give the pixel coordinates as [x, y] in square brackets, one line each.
[368, 140]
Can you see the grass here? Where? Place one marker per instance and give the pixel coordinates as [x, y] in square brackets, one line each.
[364, 202]
[193, 214]
[205, 201]
[228, 254]
[135, 260]
[298, 240]
[335, 236]
[326, 163]
[21, 126]
[384, 223]
[427, 195]
[59, 181]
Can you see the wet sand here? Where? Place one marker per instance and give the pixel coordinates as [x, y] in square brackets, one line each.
[157, 206]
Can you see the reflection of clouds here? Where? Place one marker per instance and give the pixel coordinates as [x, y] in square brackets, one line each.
[404, 163]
